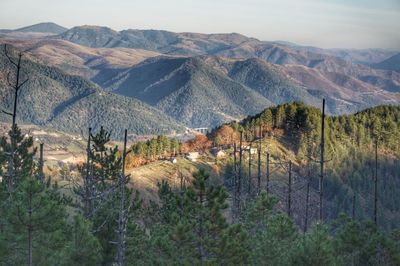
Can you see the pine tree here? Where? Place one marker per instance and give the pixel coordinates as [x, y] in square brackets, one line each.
[271, 234]
[98, 194]
[193, 230]
[21, 165]
[34, 223]
[315, 248]
[82, 247]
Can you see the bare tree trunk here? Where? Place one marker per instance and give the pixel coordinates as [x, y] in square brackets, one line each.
[181, 178]
[353, 212]
[268, 172]
[321, 180]
[249, 183]
[239, 181]
[259, 171]
[234, 165]
[41, 163]
[376, 184]
[11, 178]
[289, 199]
[200, 246]
[122, 217]
[87, 179]
[30, 229]
[307, 205]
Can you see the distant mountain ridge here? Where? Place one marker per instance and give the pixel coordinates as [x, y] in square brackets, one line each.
[154, 40]
[341, 61]
[227, 44]
[46, 27]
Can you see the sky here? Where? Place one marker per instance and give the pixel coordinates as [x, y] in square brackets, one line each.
[322, 23]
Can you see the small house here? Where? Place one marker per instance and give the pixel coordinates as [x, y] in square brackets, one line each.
[192, 156]
[253, 151]
[218, 152]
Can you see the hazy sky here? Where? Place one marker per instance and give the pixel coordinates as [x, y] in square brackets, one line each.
[324, 23]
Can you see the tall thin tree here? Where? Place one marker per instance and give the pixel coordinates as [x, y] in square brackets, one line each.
[259, 171]
[87, 180]
[322, 154]
[41, 163]
[376, 183]
[268, 172]
[239, 181]
[249, 180]
[122, 213]
[289, 195]
[259, 161]
[234, 165]
[16, 86]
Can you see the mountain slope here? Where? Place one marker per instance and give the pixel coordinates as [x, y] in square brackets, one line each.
[71, 103]
[392, 63]
[189, 90]
[80, 60]
[350, 147]
[269, 81]
[157, 79]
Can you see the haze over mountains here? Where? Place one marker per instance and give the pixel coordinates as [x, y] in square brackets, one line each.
[203, 80]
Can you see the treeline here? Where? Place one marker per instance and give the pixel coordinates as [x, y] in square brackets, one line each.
[103, 222]
[160, 147]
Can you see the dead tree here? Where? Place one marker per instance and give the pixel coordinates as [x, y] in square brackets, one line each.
[183, 179]
[16, 86]
[268, 172]
[249, 181]
[41, 164]
[239, 180]
[259, 171]
[259, 162]
[321, 179]
[307, 197]
[289, 195]
[376, 184]
[87, 180]
[234, 164]
[123, 212]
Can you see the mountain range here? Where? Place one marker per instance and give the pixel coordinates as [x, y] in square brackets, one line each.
[203, 80]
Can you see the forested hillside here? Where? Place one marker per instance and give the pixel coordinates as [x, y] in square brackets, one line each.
[350, 153]
[70, 103]
[189, 90]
